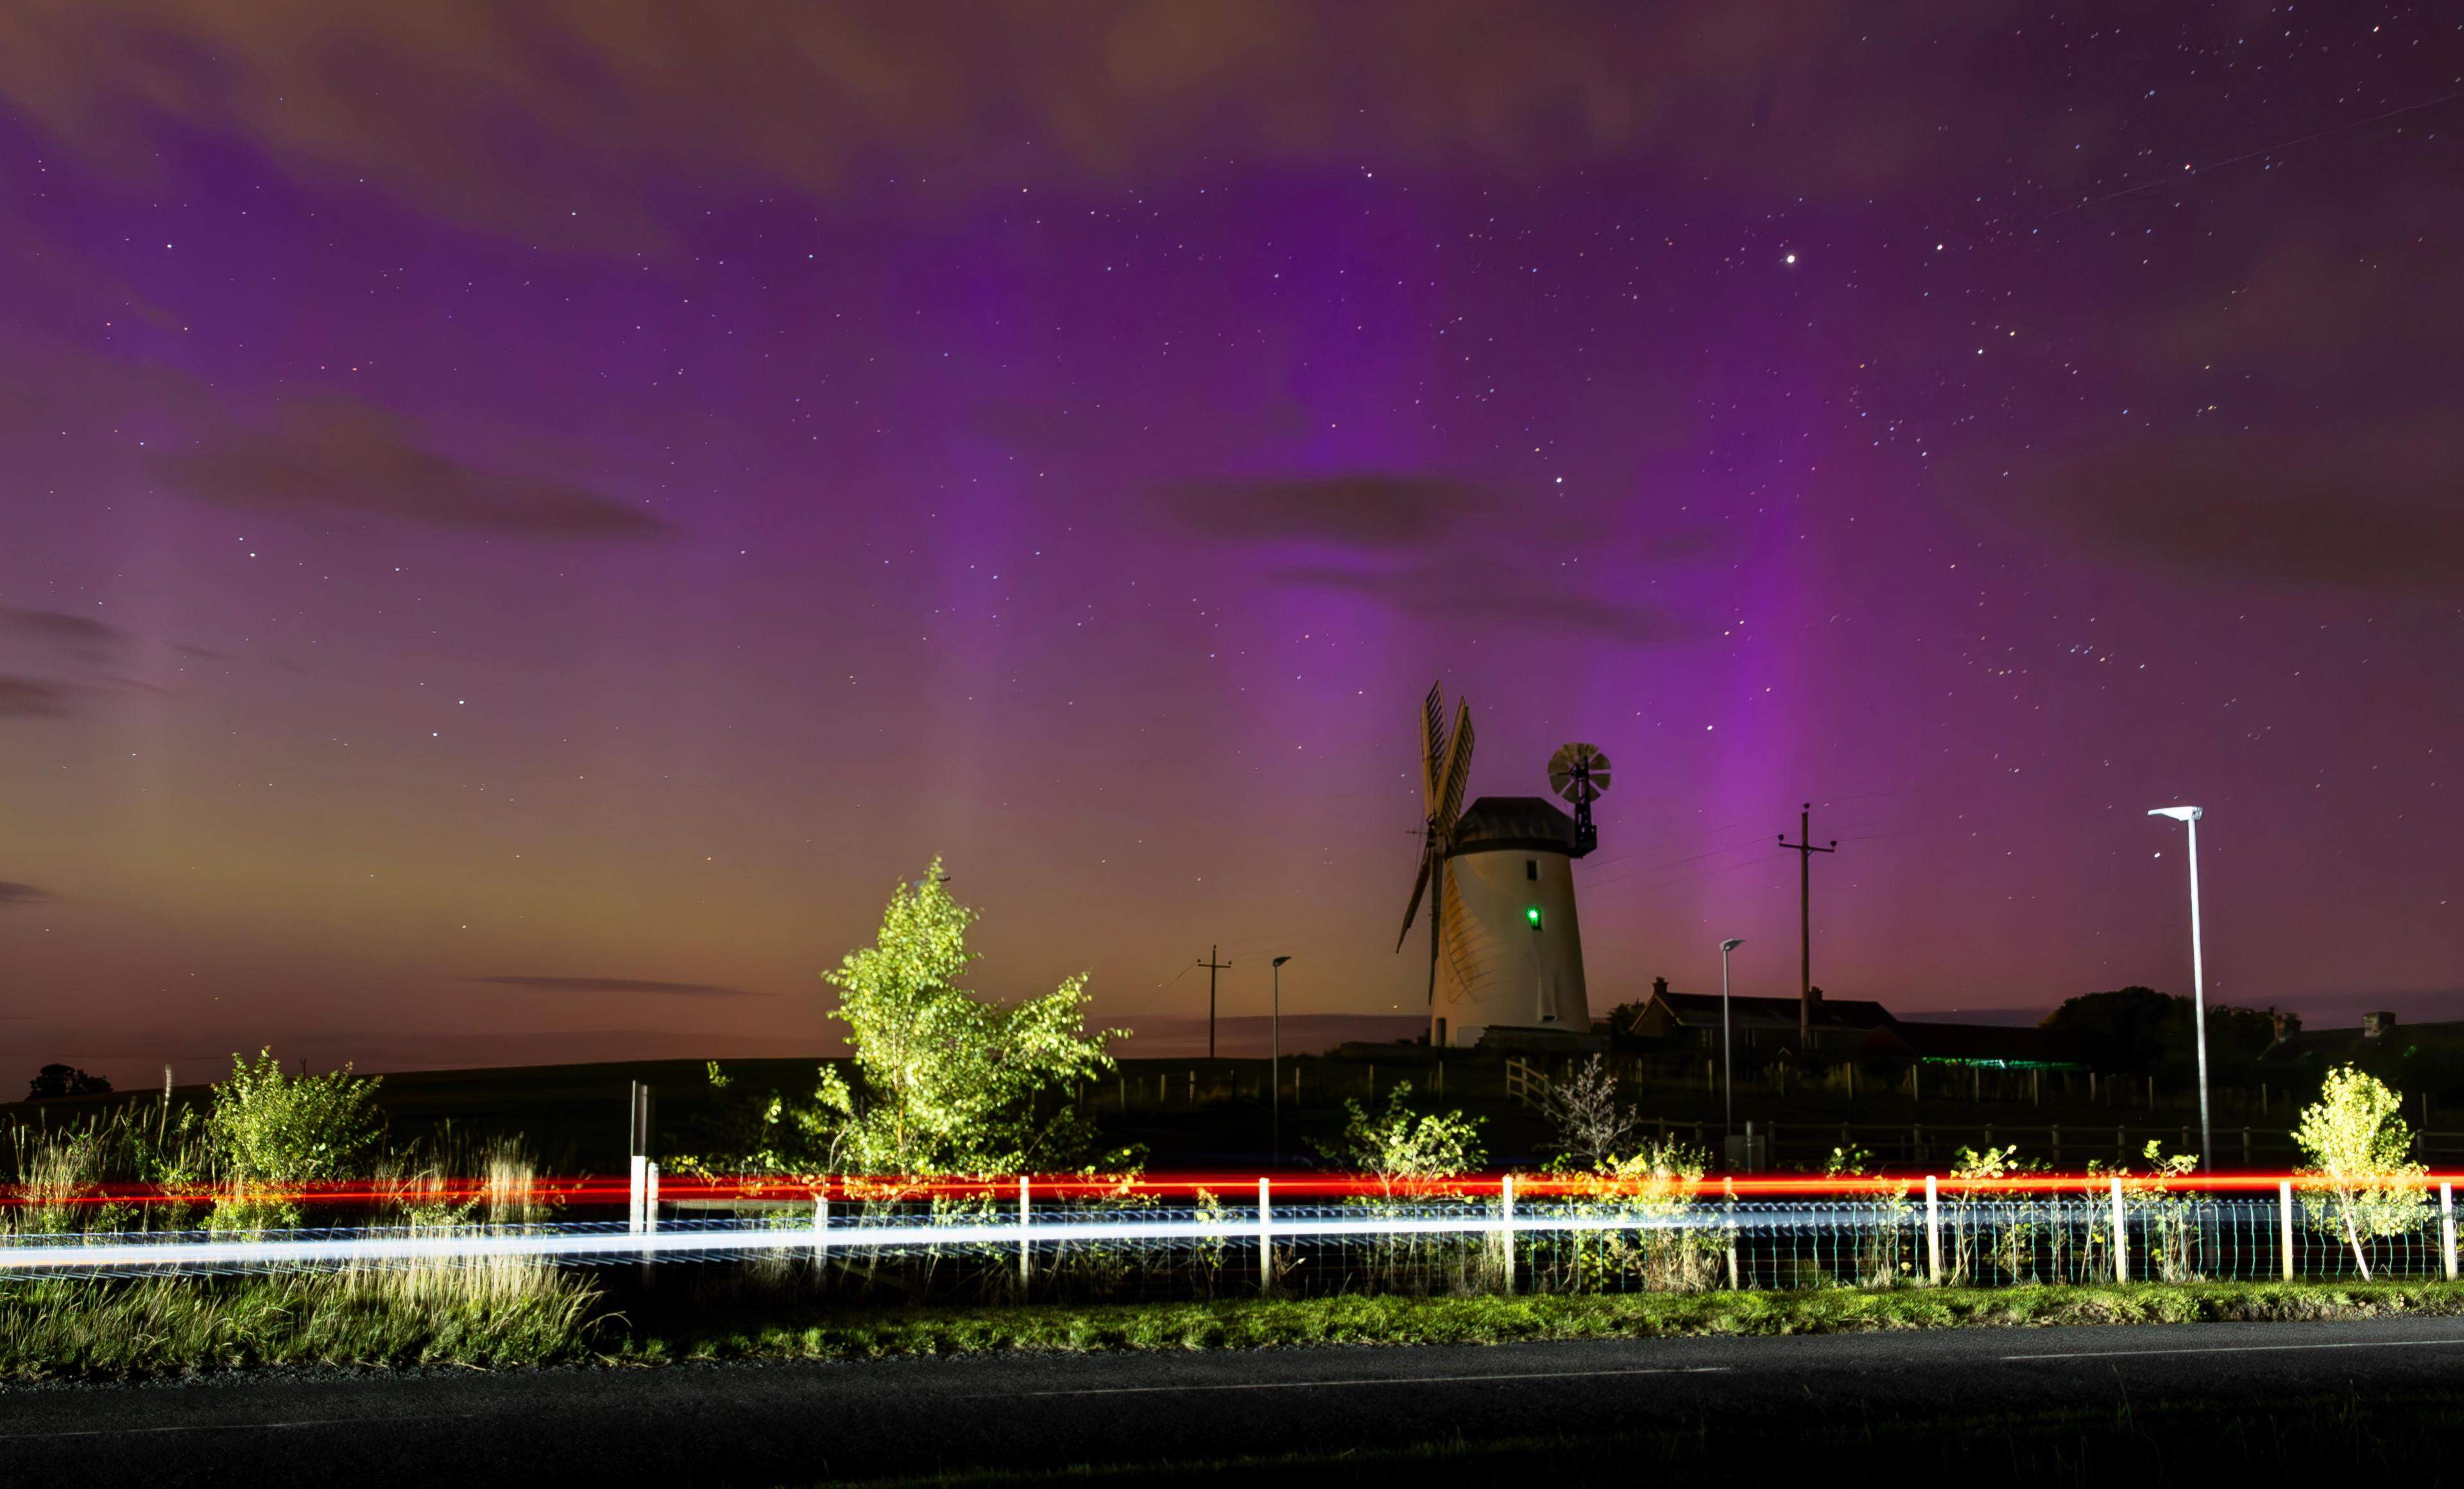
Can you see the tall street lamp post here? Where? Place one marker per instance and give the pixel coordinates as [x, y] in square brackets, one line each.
[1275, 1065]
[1728, 1067]
[2189, 817]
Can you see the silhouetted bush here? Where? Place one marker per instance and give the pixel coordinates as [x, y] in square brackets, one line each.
[64, 1081]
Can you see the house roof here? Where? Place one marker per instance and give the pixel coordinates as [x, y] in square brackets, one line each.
[2305, 1044]
[1978, 1043]
[1831, 1013]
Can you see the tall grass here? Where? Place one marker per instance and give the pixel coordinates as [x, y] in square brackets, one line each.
[60, 1174]
[489, 1313]
[472, 1311]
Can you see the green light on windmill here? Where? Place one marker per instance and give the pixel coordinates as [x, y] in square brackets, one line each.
[1533, 915]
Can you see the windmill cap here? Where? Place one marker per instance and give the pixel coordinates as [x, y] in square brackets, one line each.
[1515, 824]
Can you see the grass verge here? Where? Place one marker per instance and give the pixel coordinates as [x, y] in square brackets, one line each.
[512, 1315]
[815, 1332]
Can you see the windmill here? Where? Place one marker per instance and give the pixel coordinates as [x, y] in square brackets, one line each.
[1446, 768]
[1506, 956]
[1579, 772]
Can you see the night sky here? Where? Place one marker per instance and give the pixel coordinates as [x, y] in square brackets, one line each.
[518, 524]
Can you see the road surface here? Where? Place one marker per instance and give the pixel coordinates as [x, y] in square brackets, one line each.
[803, 1423]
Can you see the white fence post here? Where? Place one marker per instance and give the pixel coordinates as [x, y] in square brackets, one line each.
[2447, 1222]
[2121, 1235]
[1933, 1231]
[646, 1216]
[1026, 1245]
[1505, 1210]
[820, 1225]
[637, 1184]
[2284, 1223]
[1729, 1213]
[1266, 1240]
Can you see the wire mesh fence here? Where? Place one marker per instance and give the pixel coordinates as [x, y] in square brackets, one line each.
[1160, 1240]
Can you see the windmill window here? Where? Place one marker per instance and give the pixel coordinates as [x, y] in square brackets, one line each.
[1531, 868]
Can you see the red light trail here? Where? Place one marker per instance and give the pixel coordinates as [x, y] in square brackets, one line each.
[860, 1189]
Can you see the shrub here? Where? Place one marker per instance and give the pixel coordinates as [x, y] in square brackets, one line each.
[271, 1132]
[1400, 1145]
[1667, 1251]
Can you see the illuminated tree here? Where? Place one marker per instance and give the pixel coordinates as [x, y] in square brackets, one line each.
[949, 1082]
[2360, 1149]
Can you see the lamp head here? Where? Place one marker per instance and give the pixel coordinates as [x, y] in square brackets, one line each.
[1279, 960]
[2179, 814]
[1731, 944]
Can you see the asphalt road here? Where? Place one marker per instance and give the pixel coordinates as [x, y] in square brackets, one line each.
[711, 1425]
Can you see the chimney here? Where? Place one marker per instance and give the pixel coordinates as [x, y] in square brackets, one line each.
[1660, 987]
[2375, 1025]
[2286, 1024]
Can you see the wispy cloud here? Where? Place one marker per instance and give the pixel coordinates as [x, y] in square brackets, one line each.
[2380, 512]
[608, 98]
[332, 454]
[34, 697]
[1365, 509]
[21, 894]
[59, 628]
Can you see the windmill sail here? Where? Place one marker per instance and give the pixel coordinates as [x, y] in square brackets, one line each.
[1445, 771]
[1420, 887]
[1470, 951]
[1456, 774]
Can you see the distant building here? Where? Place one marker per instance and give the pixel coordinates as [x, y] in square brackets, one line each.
[1844, 1028]
[1839, 1025]
[2313, 1050]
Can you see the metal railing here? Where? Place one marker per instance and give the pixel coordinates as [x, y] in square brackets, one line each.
[1178, 1238]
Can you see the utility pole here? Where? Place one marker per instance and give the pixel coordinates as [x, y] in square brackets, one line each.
[1211, 967]
[1275, 1066]
[1804, 849]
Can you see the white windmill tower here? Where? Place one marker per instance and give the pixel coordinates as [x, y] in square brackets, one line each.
[1505, 949]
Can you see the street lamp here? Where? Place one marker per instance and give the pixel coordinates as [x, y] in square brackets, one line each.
[1275, 1065]
[1727, 1068]
[2189, 817]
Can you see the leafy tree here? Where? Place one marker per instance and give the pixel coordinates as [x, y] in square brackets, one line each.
[64, 1081]
[2141, 1031]
[270, 1132]
[1400, 1145]
[2360, 1149]
[2122, 1030]
[946, 1083]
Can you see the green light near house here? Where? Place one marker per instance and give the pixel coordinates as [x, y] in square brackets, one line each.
[1533, 915]
[2001, 1065]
